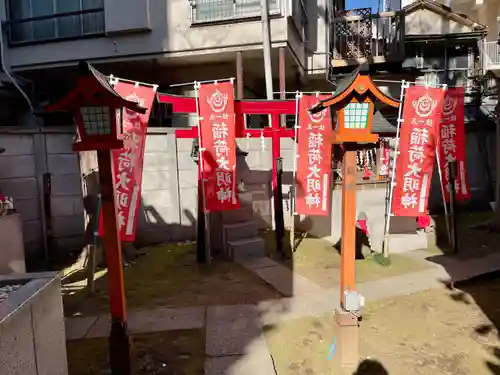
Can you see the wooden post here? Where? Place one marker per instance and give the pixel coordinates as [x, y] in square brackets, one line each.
[120, 346]
[240, 85]
[347, 323]
[348, 253]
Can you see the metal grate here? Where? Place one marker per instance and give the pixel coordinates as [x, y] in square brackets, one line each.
[96, 120]
[203, 11]
[491, 55]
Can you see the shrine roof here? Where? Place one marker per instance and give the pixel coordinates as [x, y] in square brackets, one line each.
[74, 96]
[358, 81]
[103, 80]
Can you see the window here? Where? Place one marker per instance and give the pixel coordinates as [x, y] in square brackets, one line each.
[356, 115]
[299, 17]
[45, 20]
[226, 10]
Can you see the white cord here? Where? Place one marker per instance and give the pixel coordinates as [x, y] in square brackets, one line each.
[6, 71]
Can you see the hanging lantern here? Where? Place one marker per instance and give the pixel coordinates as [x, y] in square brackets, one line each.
[97, 111]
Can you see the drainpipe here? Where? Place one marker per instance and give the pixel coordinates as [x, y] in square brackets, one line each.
[266, 44]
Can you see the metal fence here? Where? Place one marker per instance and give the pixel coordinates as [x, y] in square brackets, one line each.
[358, 33]
[491, 54]
[203, 11]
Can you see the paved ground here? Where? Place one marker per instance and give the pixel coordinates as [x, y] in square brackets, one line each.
[234, 333]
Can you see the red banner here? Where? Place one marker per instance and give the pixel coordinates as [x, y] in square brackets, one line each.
[218, 139]
[452, 143]
[128, 162]
[417, 144]
[315, 159]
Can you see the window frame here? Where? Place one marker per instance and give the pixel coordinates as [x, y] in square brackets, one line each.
[81, 12]
[274, 12]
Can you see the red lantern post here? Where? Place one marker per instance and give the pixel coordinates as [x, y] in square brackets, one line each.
[97, 107]
[354, 106]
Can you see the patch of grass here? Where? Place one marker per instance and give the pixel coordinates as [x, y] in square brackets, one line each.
[159, 353]
[168, 276]
[446, 332]
[474, 239]
[319, 261]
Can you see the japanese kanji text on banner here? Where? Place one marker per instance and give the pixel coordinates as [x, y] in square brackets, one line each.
[127, 163]
[218, 140]
[417, 143]
[315, 159]
[452, 143]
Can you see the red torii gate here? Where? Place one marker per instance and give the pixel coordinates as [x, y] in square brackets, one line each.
[274, 108]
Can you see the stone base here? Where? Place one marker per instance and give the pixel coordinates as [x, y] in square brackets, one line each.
[12, 258]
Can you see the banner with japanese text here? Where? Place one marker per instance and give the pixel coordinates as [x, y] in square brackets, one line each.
[218, 142]
[127, 163]
[417, 145]
[452, 143]
[314, 165]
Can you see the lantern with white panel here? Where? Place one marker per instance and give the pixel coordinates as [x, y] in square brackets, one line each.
[97, 111]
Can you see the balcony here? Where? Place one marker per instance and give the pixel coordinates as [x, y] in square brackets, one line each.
[223, 11]
[490, 52]
[358, 36]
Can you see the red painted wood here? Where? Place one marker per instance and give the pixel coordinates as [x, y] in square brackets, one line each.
[183, 104]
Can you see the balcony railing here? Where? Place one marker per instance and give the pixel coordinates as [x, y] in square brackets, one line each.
[358, 35]
[490, 52]
[219, 11]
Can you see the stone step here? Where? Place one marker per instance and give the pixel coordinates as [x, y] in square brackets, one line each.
[245, 196]
[238, 231]
[240, 215]
[403, 243]
[246, 248]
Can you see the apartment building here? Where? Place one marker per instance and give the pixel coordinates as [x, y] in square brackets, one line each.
[162, 42]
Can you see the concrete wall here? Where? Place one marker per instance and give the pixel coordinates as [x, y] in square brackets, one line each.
[169, 196]
[66, 204]
[426, 22]
[18, 179]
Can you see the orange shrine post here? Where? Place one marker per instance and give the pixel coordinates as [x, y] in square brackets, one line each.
[96, 108]
[354, 105]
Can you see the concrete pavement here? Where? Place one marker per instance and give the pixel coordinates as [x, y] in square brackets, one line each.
[234, 336]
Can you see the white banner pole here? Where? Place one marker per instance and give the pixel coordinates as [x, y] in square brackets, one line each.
[201, 149]
[440, 172]
[385, 248]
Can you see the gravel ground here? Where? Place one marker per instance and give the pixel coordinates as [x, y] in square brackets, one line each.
[5, 290]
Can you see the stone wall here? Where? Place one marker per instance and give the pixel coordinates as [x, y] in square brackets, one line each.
[169, 197]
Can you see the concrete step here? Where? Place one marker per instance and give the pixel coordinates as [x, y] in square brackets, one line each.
[240, 215]
[245, 196]
[246, 248]
[403, 243]
[238, 231]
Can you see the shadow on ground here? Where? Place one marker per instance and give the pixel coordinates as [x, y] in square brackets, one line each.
[476, 239]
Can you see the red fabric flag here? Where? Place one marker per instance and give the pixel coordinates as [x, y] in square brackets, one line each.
[417, 143]
[217, 128]
[452, 143]
[315, 159]
[128, 162]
